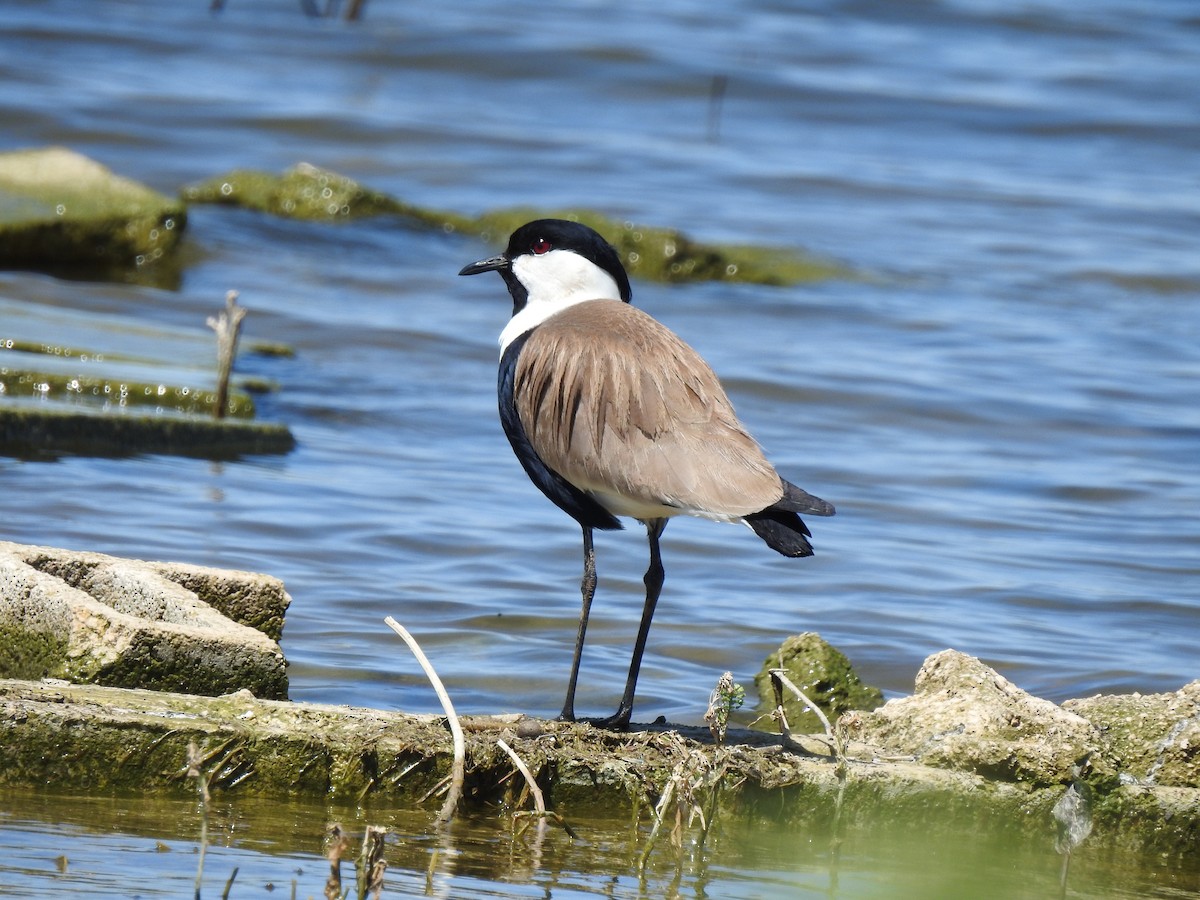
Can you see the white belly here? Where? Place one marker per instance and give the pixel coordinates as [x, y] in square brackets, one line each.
[620, 505]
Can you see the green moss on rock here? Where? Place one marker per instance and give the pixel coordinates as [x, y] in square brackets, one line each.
[98, 391]
[257, 601]
[669, 255]
[302, 192]
[650, 253]
[29, 431]
[29, 654]
[823, 673]
[59, 208]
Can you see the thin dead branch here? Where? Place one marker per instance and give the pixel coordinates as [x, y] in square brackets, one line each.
[195, 762]
[227, 325]
[370, 865]
[779, 680]
[460, 746]
[539, 800]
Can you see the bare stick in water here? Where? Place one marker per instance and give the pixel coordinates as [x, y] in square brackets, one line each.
[194, 762]
[539, 800]
[227, 325]
[371, 865]
[229, 884]
[460, 745]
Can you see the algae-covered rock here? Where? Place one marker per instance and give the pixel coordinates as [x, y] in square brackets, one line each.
[302, 192]
[37, 432]
[248, 598]
[825, 676]
[98, 739]
[966, 716]
[61, 209]
[1154, 738]
[20, 380]
[80, 411]
[651, 253]
[99, 392]
[88, 617]
[257, 601]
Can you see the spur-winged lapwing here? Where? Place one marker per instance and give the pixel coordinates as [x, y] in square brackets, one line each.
[613, 415]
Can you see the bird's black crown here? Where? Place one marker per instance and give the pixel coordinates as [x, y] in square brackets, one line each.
[542, 235]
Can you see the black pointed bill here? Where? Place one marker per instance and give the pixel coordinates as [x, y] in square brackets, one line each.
[492, 264]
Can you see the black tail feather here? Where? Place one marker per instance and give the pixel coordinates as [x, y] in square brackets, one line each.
[780, 526]
[783, 531]
[799, 500]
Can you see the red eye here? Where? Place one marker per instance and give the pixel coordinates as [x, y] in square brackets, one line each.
[540, 246]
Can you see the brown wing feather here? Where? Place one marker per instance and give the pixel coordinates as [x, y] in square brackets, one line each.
[613, 401]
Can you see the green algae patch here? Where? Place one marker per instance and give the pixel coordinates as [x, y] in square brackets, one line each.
[38, 433]
[122, 393]
[823, 673]
[28, 653]
[106, 738]
[64, 352]
[59, 209]
[648, 252]
[49, 413]
[302, 192]
[271, 349]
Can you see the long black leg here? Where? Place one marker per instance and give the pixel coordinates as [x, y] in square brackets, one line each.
[587, 589]
[654, 582]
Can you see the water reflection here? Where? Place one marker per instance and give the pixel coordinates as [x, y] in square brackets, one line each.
[135, 846]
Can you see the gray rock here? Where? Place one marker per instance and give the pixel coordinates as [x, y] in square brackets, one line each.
[92, 618]
[965, 716]
[1155, 738]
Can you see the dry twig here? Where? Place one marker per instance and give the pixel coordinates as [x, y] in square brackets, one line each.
[195, 759]
[780, 680]
[460, 746]
[227, 325]
[370, 865]
[539, 800]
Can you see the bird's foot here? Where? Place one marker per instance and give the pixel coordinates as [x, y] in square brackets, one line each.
[618, 721]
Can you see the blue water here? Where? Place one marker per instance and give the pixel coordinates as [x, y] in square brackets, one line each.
[1003, 407]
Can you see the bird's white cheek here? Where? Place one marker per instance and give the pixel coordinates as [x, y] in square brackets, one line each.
[560, 278]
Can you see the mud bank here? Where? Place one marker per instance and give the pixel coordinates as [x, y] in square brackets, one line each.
[101, 739]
